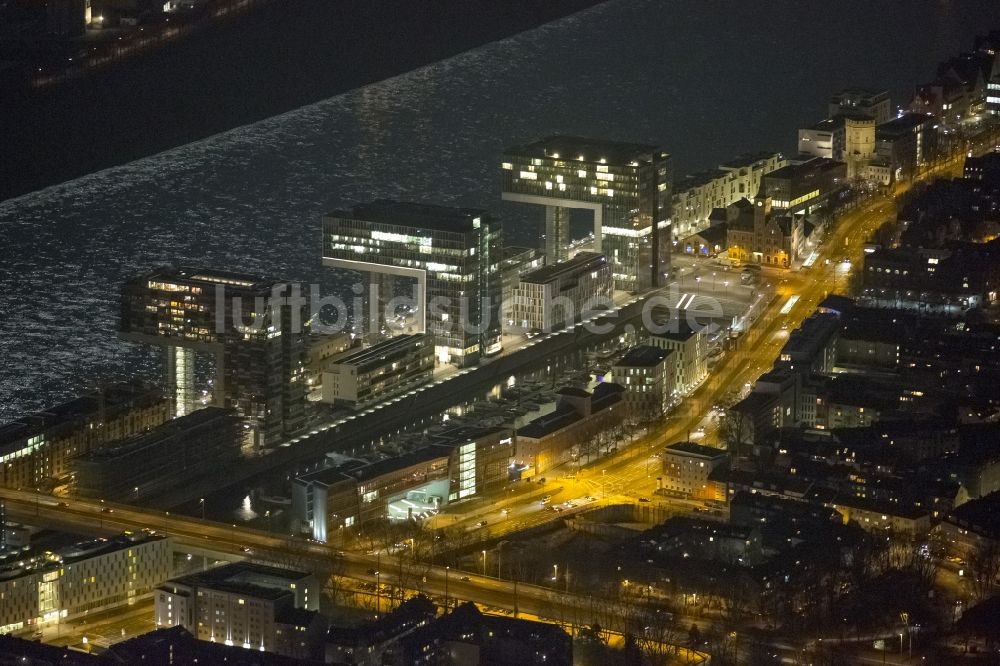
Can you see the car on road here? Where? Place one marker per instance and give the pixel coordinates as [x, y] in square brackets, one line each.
[63, 504]
[545, 500]
[372, 572]
[481, 523]
[246, 549]
[643, 499]
[465, 578]
[107, 509]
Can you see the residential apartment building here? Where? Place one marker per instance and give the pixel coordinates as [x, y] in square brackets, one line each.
[258, 607]
[686, 470]
[907, 144]
[205, 442]
[468, 637]
[649, 375]
[49, 586]
[689, 351]
[257, 355]
[548, 441]
[38, 449]
[626, 186]
[516, 262]
[360, 378]
[697, 195]
[558, 295]
[376, 643]
[947, 281]
[454, 257]
[804, 186]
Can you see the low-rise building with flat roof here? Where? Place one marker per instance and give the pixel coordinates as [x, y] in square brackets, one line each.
[360, 378]
[548, 441]
[251, 605]
[449, 466]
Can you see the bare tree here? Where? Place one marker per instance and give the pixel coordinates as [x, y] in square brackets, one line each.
[984, 567]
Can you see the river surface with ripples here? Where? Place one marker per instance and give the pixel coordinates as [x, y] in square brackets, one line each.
[706, 80]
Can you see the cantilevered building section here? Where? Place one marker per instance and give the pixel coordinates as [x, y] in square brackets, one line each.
[626, 185]
[252, 327]
[453, 254]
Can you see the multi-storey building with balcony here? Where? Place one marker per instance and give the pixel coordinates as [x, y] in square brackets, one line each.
[365, 376]
[558, 295]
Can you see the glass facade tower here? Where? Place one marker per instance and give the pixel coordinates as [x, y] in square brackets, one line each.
[626, 185]
[453, 254]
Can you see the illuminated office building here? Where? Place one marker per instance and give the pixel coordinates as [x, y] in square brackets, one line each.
[627, 187]
[452, 254]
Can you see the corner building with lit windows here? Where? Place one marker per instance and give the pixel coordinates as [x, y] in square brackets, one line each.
[452, 254]
[627, 186]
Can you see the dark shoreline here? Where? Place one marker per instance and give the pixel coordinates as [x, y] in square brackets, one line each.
[269, 61]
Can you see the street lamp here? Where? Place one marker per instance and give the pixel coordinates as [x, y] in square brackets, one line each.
[446, 570]
[484, 562]
[555, 572]
[202, 502]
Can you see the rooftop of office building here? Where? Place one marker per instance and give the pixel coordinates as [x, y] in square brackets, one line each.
[582, 261]
[643, 356]
[377, 351]
[749, 159]
[244, 577]
[901, 126]
[189, 275]
[582, 149]
[676, 329]
[690, 448]
[416, 215]
[108, 398]
[157, 435]
[48, 556]
[804, 169]
[565, 414]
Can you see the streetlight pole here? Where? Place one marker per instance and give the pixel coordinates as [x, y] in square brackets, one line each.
[484, 563]
[202, 502]
[378, 583]
[446, 570]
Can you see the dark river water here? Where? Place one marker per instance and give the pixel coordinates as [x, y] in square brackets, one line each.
[706, 80]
